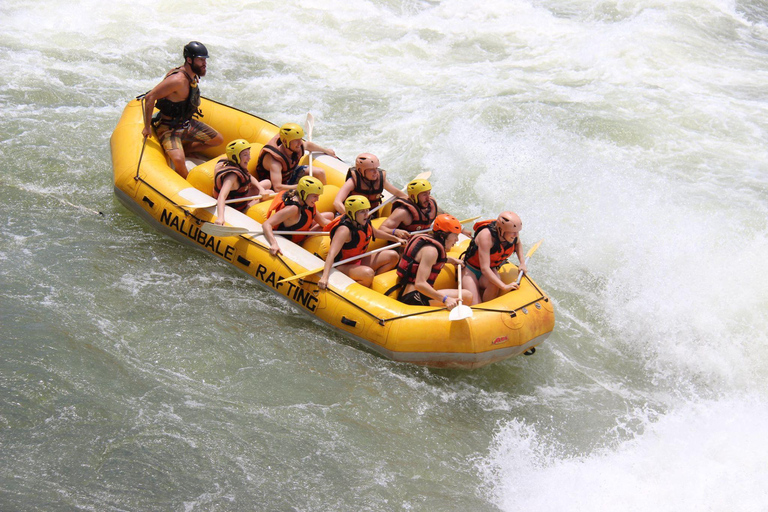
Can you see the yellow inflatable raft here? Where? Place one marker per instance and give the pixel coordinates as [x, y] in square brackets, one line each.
[507, 326]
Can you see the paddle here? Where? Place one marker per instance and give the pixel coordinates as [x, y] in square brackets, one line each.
[353, 258]
[215, 230]
[461, 311]
[527, 257]
[310, 123]
[228, 201]
[430, 229]
[423, 176]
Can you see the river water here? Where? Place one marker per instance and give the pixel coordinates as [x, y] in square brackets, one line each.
[629, 135]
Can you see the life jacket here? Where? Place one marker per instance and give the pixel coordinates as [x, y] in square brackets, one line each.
[360, 236]
[225, 167]
[307, 214]
[408, 266]
[288, 163]
[500, 250]
[176, 113]
[422, 218]
[370, 189]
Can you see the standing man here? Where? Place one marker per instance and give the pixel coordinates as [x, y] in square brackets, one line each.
[177, 98]
[494, 241]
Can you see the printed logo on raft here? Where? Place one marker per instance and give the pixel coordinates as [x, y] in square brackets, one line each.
[500, 339]
[192, 231]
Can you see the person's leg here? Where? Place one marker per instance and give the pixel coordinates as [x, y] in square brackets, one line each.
[469, 283]
[363, 274]
[490, 291]
[466, 296]
[199, 135]
[382, 261]
[172, 144]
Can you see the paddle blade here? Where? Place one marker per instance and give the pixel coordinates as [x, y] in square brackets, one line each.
[460, 312]
[533, 249]
[300, 276]
[212, 229]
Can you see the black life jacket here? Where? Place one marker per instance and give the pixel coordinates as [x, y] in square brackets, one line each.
[176, 113]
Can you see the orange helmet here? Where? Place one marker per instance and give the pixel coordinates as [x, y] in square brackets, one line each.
[447, 224]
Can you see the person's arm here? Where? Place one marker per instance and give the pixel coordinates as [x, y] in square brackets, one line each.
[342, 195]
[394, 190]
[397, 218]
[427, 258]
[229, 182]
[520, 257]
[387, 235]
[341, 237]
[321, 219]
[454, 261]
[275, 174]
[275, 220]
[484, 243]
[259, 186]
[167, 87]
[311, 146]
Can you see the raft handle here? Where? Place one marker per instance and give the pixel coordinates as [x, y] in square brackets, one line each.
[530, 351]
[347, 321]
[149, 202]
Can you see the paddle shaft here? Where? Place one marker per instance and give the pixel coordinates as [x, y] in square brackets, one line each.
[216, 230]
[342, 262]
[528, 257]
[228, 201]
[420, 231]
[310, 126]
[423, 176]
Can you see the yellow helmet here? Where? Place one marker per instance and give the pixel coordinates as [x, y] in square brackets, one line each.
[290, 132]
[416, 187]
[236, 147]
[354, 204]
[309, 185]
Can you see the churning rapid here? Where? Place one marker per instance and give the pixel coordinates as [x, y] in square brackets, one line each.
[629, 135]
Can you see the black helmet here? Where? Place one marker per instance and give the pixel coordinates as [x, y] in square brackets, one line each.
[195, 49]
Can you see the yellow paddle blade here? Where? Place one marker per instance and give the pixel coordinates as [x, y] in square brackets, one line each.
[299, 276]
[471, 219]
[533, 249]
